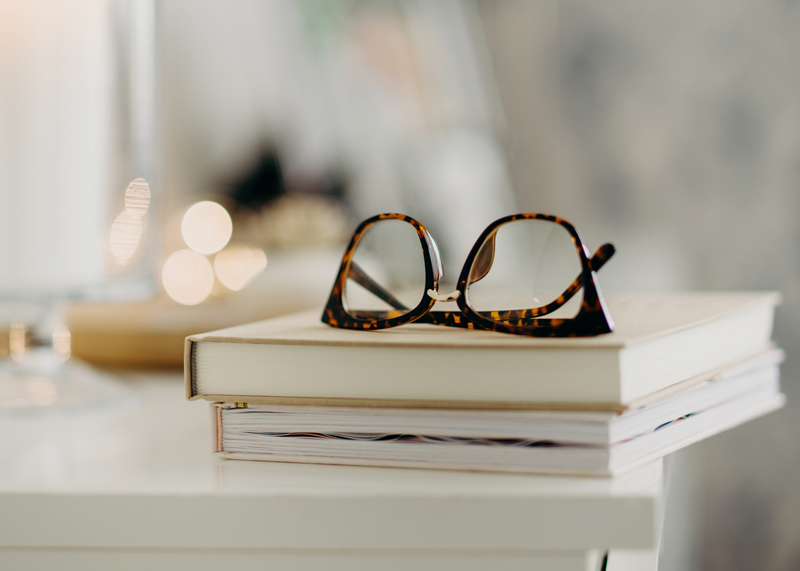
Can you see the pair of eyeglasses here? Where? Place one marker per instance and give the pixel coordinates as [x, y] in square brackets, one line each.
[522, 268]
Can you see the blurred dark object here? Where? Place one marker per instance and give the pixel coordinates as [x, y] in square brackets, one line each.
[262, 184]
[274, 210]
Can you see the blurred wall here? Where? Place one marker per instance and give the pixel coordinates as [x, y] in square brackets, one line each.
[396, 99]
[672, 129]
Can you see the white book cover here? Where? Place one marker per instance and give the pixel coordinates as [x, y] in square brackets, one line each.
[662, 342]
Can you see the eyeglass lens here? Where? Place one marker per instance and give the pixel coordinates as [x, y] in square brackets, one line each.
[386, 274]
[525, 264]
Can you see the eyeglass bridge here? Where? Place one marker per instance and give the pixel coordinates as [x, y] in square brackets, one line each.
[448, 297]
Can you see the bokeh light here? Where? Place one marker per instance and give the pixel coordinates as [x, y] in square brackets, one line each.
[17, 341]
[128, 228]
[237, 266]
[137, 197]
[206, 227]
[126, 232]
[62, 343]
[187, 277]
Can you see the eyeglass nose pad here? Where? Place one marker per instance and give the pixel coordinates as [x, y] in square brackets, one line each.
[484, 260]
[438, 271]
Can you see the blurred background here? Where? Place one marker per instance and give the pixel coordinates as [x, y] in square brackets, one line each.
[671, 129]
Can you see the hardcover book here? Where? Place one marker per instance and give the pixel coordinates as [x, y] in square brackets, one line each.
[663, 343]
[548, 442]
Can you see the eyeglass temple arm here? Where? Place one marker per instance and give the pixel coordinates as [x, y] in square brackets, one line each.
[601, 256]
[361, 278]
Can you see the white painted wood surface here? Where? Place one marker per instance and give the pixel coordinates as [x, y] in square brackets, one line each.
[140, 487]
[283, 561]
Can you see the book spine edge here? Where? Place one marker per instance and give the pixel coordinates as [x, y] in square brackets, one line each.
[216, 428]
[189, 369]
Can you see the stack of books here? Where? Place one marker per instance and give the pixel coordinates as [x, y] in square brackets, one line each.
[677, 369]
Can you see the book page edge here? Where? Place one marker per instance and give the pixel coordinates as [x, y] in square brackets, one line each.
[411, 403]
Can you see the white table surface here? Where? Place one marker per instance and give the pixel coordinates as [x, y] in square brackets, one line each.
[142, 479]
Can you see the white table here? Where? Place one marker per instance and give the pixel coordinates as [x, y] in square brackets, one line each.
[137, 487]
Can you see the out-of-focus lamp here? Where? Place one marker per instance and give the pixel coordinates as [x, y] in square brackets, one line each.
[77, 124]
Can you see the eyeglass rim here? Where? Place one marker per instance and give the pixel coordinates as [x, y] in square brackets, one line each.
[593, 318]
[336, 314]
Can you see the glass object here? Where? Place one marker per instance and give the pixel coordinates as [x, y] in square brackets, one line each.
[527, 274]
[77, 125]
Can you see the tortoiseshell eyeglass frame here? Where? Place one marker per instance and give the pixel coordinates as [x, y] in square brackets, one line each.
[593, 317]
